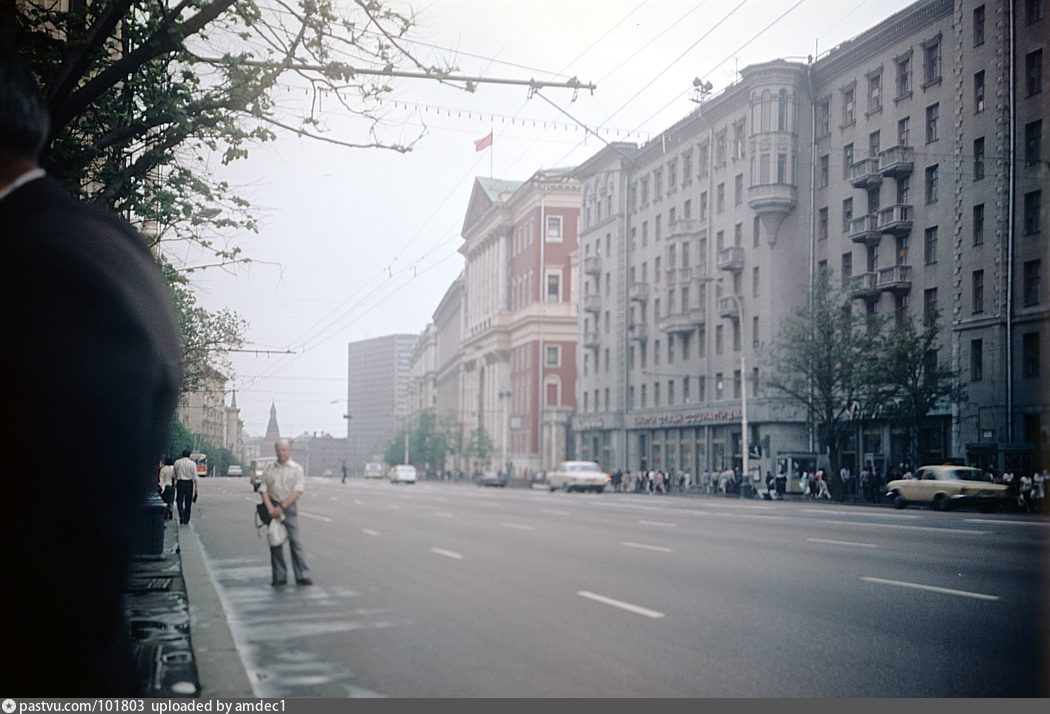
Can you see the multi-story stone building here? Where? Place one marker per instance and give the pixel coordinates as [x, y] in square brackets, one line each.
[894, 163]
[377, 395]
[518, 362]
[203, 411]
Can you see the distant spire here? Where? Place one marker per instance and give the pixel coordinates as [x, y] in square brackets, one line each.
[233, 400]
[273, 432]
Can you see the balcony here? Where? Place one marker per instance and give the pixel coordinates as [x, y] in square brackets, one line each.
[865, 229]
[592, 302]
[865, 173]
[592, 265]
[639, 292]
[895, 219]
[727, 307]
[682, 322]
[590, 340]
[864, 286]
[683, 227]
[772, 198]
[896, 278]
[896, 161]
[731, 258]
[700, 272]
[639, 331]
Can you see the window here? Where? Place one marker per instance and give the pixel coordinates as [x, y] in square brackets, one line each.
[736, 384]
[754, 281]
[904, 76]
[903, 131]
[1030, 354]
[929, 306]
[736, 336]
[658, 184]
[685, 390]
[720, 148]
[630, 397]
[932, 115]
[1033, 72]
[553, 356]
[904, 190]
[875, 93]
[847, 159]
[687, 169]
[1033, 139]
[644, 183]
[978, 159]
[703, 205]
[823, 117]
[976, 360]
[554, 229]
[670, 392]
[720, 198]
[978, 224]
[978, 92]
[1033, 11]
[738, 140]
[931, 58]
[782, 168]
[738, 235]
[978, 26]
[656, 394]
[977, 289]
[756, 230]
[719, 385]
[672, 175]
[754, 332]
[718, 339]
[822, 172]
[553, 287]
[822, 224]
[703, 157]
[644, 394]
[847, 267]
[874, 143]
[1031, 211]
[1031, 282]
[738, 190]
[847, 214]
[849, 105]
[932, 177]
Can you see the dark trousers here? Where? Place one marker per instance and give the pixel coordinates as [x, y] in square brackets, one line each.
[184, 499]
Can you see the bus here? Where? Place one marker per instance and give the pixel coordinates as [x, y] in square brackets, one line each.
[201, 459]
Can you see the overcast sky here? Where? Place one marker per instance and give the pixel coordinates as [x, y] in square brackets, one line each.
[355, 244]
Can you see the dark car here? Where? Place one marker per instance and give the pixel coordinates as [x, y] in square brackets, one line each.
[491, 478]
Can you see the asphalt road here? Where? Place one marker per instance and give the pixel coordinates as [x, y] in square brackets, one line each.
[449, 590]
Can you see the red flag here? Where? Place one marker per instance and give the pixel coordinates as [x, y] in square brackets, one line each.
[483, 142]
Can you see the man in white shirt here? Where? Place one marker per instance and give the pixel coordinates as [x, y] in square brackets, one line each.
[185, 485]
[282, 485]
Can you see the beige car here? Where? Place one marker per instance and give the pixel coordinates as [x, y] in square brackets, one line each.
[578, 476]
[946, 487]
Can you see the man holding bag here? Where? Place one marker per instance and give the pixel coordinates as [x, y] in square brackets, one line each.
[282, 485]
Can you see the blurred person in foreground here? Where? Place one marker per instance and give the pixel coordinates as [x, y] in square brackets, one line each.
[92, 370]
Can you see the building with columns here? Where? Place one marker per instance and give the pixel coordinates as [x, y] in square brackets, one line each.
[908, 163]
[518, 356]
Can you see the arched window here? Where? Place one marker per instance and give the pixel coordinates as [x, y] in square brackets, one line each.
[767, 99]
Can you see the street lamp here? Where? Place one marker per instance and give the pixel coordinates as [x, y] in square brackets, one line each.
[744, 445]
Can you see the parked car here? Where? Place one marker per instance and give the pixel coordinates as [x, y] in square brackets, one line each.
[948, 486]
[578, 476]
[234, 470]
[491, 478]
[402, 473]
[373, 470]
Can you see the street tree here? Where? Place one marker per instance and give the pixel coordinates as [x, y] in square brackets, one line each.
[912, 380]
[479, 446]
[822, 360]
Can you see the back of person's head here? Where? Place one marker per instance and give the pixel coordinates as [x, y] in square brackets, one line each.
[169, 461]
[186, 453]
[24, 121]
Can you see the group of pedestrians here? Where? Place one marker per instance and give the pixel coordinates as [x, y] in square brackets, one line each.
[1028, 491]
[651, 481]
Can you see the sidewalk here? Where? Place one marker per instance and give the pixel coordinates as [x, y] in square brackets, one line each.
[181, 642]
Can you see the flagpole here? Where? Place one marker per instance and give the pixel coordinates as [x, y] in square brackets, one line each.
[492, 150]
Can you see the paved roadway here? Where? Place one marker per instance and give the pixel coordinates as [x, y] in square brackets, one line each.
[449, 590]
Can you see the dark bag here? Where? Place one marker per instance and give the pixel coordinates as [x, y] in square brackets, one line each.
[262, 514]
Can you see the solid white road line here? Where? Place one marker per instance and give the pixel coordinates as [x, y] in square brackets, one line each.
[442, 514]
[636, 609]
[657, 548]
[552, 512]
[842, 542]
[931, 588]
[369, 531]
[253, 500]
[315, 516]
[858, 513]
[906, 528]
[1044, 524]
[665, 524]
[447, 553]
[519, 526]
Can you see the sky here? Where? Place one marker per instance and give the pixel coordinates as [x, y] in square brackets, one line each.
[356, 243]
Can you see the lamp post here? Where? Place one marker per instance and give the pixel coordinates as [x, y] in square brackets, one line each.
[504, 395]
[744, 446]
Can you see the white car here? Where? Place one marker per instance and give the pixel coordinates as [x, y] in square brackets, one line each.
[373, 470]
[945, 487]
[578, 476]
[402, 473]
[234, 470]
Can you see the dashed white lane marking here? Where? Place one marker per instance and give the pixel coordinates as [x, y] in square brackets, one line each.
[316, 517]
[358, 502]
[552, 512]
[519, 526]
[369, 531]
[1044, 524]
[664, 524]
[859, 513]
[253, 500]
[447, 553]
[643, 546]
[931, 588]
[907, 528]
[443, 514]
[636, 609]
[842, 542]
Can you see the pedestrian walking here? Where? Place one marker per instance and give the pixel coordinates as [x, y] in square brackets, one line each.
[283, 484]
[822, 485]
[344, 472]
[186, 484]
[93, 355]
[166, 485]
[849, 483]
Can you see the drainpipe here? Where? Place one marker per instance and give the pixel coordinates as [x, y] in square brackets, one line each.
[812, 225]
[1010, 244]
[540, 363]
